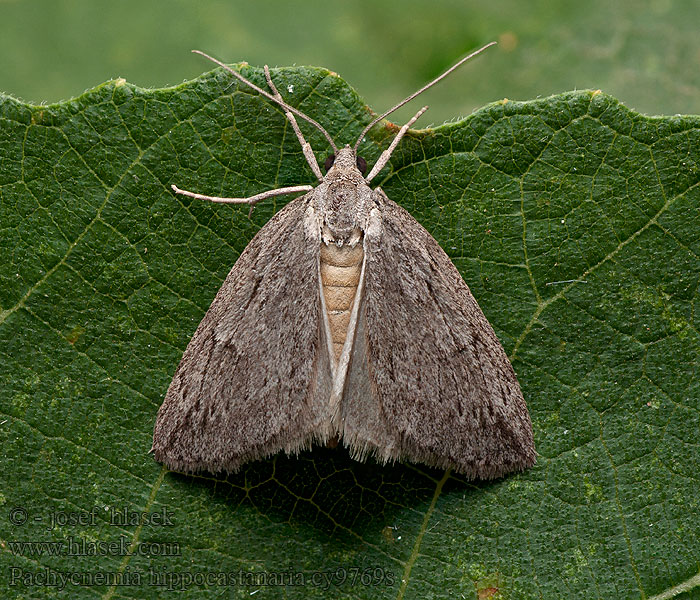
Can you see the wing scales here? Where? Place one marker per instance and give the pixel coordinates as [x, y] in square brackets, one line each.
[256, 376]
[429, 380]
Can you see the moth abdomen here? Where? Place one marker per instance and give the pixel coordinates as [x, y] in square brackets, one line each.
[340, 275]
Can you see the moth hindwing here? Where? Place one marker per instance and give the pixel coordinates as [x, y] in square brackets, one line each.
[344, 319]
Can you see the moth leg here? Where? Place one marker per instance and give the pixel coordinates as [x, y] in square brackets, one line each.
[386, 155]
[252, 200]
[305, 146]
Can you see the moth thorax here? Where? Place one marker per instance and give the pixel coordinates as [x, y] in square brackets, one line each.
[342, 193]
[340, 212]
[340, 276]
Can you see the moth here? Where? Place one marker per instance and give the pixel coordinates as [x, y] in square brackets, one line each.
[343, 319]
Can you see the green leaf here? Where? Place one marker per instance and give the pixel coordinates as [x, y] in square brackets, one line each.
[574, 221]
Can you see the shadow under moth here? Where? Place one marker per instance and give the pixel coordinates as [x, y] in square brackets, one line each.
[343, 319]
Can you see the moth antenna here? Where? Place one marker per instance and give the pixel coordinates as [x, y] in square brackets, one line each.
[251, 200]
[420, 91]
[386, 155]
[279, 101]
[305, 146]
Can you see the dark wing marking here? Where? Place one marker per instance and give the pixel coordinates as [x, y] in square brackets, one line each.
[429, 380]
[256, 376]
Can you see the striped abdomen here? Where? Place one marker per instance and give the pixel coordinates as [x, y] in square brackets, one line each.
[340, 276]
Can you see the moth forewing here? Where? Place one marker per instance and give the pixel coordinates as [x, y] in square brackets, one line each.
[440, 389]
[254, 378]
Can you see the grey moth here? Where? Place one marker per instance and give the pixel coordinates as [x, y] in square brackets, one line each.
[343, 319]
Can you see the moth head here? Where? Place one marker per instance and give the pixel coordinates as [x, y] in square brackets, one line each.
[346, 158]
